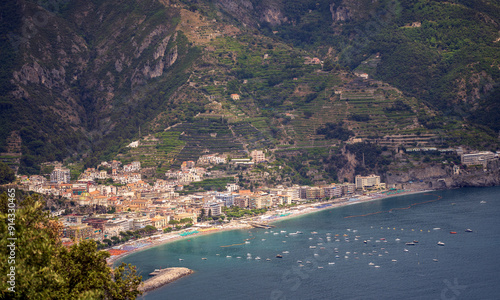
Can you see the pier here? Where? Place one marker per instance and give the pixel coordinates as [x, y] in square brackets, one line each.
[162, 277]
[261, 225]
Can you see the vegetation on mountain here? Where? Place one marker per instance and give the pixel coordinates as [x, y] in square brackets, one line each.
[86, 82]
[6, 174]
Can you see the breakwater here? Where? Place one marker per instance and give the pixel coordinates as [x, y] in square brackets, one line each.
[164, 276]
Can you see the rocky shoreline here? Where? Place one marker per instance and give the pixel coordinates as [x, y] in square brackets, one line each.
[164, 276]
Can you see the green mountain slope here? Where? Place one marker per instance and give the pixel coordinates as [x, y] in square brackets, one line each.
[82, 79]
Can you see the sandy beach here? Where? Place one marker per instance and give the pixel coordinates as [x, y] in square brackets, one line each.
[293, 212]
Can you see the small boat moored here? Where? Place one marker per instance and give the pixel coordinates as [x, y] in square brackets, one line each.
[440, 243]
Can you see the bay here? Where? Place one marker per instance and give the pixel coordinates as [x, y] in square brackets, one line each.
[467, 267]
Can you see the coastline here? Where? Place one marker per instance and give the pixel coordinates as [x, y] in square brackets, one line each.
[300, 210]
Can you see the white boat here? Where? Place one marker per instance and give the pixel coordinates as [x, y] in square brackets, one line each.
[394, 260]
[440, 243]
[299, 261]
[331, 263]
[228, 256]
[314, 232]
[283, 231]
[320, 267]
[180, 259]
[204, 258]
[247, 242]
[468, 230]
[257, 258]
[406, 250]
[377, 266]
[435, 260]
[482, 202]
[312, 247]
[268, 259]
[371, 264]
[286, 252]
[263, 239]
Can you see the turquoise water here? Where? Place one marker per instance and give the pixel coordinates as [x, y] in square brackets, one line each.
[467, 267]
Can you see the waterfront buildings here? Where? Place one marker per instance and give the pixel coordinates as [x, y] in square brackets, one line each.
[479, 158]
[371, 181]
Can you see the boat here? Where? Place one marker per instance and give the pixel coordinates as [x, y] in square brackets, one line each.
[299, 232]
[155, 272]
[228, 256]
[180, 259]
[314, 232]
[365, 241]
[440, 243]
[371, 264]
[410, 244]
[312, 247]
[286, 252]
[437, 228]
[482, 202]
[320, 267]
[204, 258]
[435, 260]
[394, 260]
[263, 239]
[453, 232]
[415, 241]
[405, 250]
[398, 239]
[299, 261]
[331, 263]
[336, 256]
[468, 230]
[283, 231]
[279, 256]
[257, 258]
[268, 259]
[247, 242]
[377, 266]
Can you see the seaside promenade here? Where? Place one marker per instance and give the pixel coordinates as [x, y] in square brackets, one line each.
[121, 251]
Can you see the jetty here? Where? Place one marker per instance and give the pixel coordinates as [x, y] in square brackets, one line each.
[261, 225]
[162, 277]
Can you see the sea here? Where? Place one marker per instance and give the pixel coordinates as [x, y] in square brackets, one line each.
[357, 251]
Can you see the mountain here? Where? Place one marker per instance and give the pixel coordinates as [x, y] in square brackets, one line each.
[82, 79]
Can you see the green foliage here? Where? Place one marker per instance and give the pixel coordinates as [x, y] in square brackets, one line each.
[335, 131]
[6, 174]
[45, 269]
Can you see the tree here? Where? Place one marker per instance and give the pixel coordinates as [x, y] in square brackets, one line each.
[45, 269]
[6, 174]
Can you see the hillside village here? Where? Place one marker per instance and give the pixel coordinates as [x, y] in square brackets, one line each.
[111, 202]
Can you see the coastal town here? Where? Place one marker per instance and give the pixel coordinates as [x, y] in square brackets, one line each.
[125, 213]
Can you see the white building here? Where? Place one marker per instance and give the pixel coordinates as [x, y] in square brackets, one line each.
[257, 156]
[60, 175]
[480, 158]
[371, 181]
